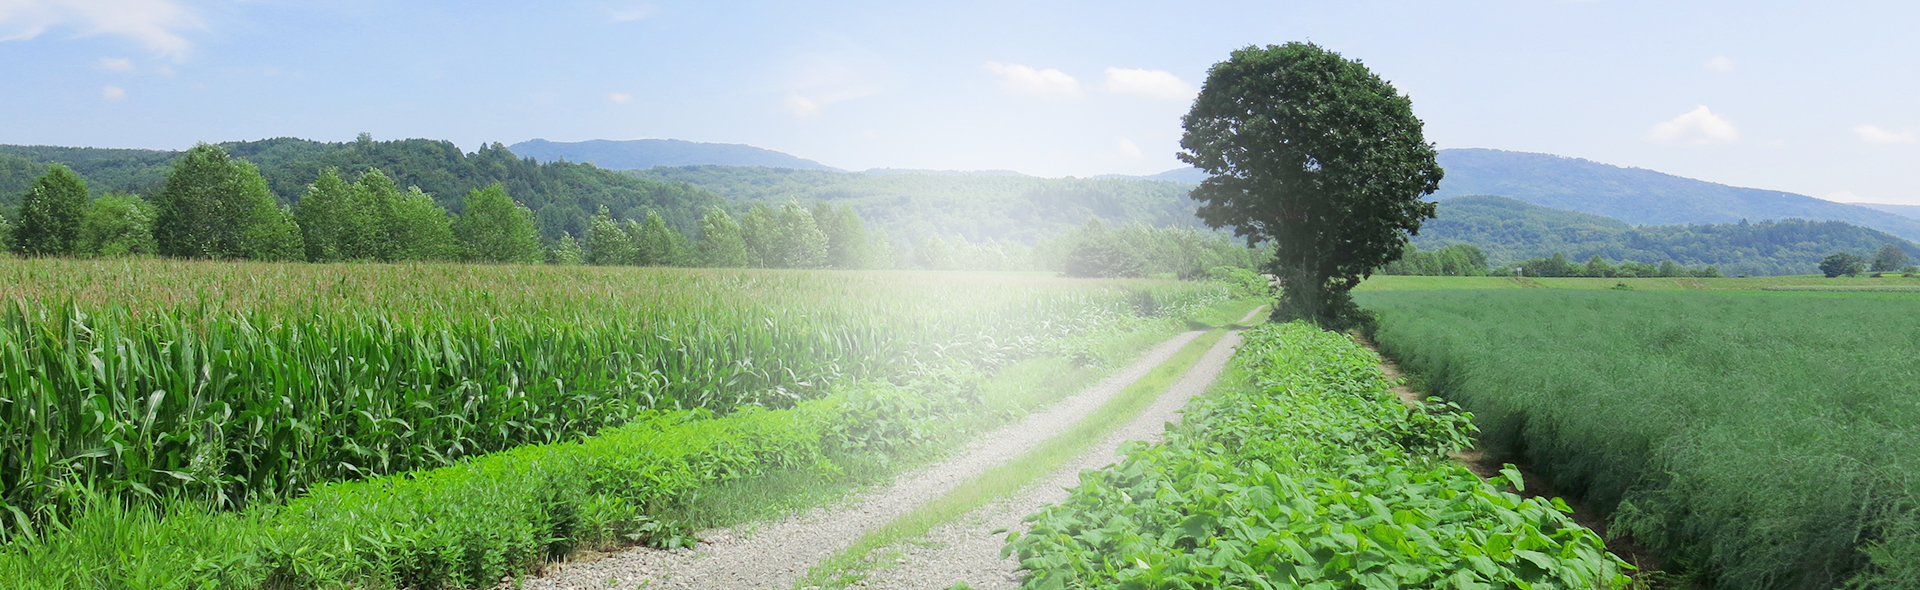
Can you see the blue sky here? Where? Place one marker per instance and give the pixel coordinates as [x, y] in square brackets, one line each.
[1820, 100]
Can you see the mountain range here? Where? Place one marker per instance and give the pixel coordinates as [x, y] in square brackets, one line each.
[640, 154]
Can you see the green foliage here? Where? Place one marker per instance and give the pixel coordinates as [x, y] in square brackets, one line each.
[273, 236]
[847, 244]
[980, 208]
[493, 228]
[721, 243]
[118, 225]
[50, 215]
[1889, 258]
[1246, 284]
[1336, 206]
[209, 208]
[1458, 260]
[1510, 231]
[241, 382]
[1312, 475]
[1139, 250]
[6, 232]
[1843, 263]
[327, 217]
[419, 230]
[1752, 441]
[566, 252]
[482, 518]
[655, 244]
[798, 243]
[606, 244]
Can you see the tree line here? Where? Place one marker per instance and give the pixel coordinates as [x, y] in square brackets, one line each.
[1889, 258]
[1467, 260]
[212, 205]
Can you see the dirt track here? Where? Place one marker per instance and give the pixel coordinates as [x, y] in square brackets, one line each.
[777, 554]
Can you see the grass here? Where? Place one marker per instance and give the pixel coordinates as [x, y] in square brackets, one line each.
[1413, 283]
[847, 567]
[1752, 441]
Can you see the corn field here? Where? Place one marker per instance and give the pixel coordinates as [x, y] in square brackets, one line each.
[239, 382]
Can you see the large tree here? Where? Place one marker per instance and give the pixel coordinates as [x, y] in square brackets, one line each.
[493, 228]
[1889, 258]
[1315, 153]
[721, 244]
[210, 207]
[50, 214]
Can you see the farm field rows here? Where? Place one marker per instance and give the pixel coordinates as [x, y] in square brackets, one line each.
[1752, 438]
[295, 382]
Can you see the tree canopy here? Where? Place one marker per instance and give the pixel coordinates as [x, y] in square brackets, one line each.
[50, 214]
[1315, 153]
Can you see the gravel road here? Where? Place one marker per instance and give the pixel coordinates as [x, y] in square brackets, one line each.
[776, 554]
[967, 550]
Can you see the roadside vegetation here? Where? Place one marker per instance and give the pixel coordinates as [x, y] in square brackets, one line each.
[1302, 469]
[1754, 440]
[238, 384]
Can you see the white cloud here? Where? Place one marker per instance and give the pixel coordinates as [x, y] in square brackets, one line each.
[117, 64]
[154, 24]
[113, 93]
[816, 81]
[1697, 127]
[621, 15]
[801, 106]
[1842, 197]
[1130, 150]
[1875, 134]
[620, 98]
[1022, 80]
[1720, 64]
[1154, 84]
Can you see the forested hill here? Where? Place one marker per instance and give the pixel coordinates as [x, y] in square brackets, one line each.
[1509, 230]
[1637, 195]
[979, 207]
[1912, 211]
[563, 195]
[640, 154]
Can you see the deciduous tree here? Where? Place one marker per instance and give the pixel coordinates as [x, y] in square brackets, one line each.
[1317, 154]
[493, 228]
[1889, 258]
[118, 225]
[721, 244]
[210, 204]
[1842, 263]
[50, 214]
[606, 244]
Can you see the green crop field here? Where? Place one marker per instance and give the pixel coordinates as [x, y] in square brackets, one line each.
[1755, 438]
[1301, 469]
[244, 382]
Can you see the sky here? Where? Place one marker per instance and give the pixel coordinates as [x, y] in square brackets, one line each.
[1819, 100]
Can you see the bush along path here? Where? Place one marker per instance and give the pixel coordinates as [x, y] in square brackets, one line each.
[967, 550]
[1303, 470]
[778, 554]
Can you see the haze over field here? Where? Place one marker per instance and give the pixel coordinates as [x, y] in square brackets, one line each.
[1705, 90]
